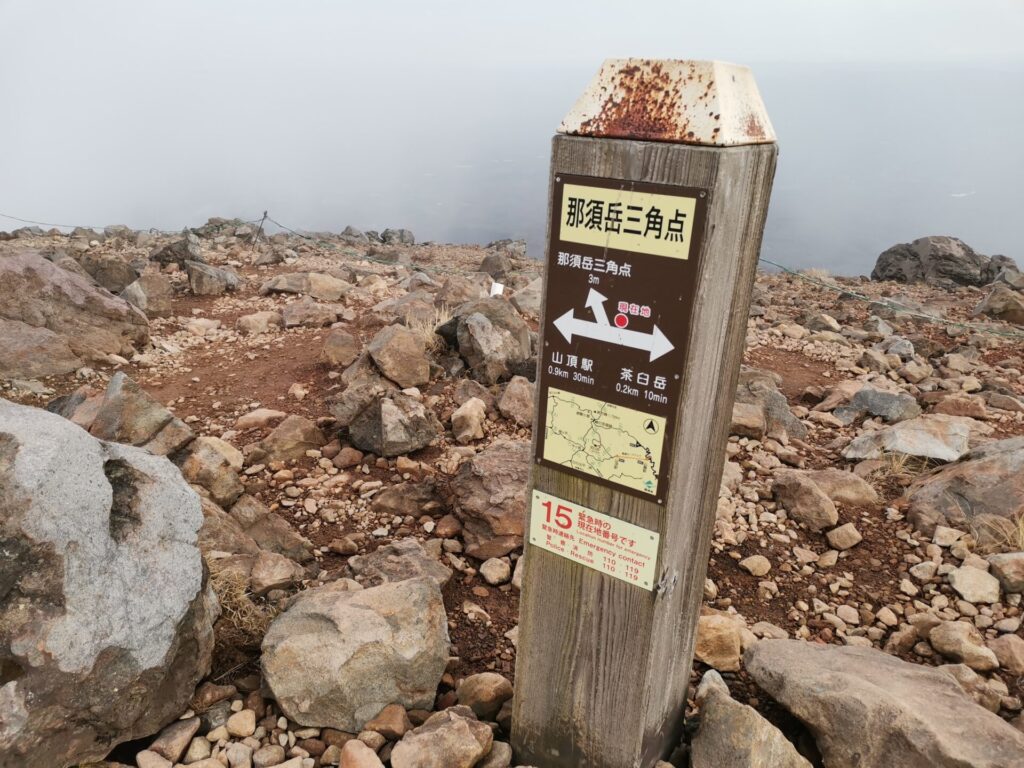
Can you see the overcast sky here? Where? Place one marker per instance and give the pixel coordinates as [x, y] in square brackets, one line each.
[438, 115]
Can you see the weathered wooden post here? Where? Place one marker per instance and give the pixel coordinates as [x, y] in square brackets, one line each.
[660, 178]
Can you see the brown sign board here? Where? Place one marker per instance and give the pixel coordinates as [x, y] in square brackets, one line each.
[622, 264]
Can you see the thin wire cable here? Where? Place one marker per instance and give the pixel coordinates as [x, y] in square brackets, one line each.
[91, 226]
[46, 223]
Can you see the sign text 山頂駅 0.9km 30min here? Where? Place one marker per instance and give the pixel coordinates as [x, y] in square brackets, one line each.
[622, 266]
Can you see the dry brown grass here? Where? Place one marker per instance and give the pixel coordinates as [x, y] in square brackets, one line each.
[998, 534]
[905, 464]
[424, 328]
[243, 622]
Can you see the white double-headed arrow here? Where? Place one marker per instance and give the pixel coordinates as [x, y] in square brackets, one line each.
[569, 325]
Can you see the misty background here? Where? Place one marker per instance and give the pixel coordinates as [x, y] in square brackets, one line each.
[895, 119]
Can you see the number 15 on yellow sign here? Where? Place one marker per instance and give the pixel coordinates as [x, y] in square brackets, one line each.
[604, 543]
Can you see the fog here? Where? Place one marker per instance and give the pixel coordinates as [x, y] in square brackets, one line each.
[895, 119]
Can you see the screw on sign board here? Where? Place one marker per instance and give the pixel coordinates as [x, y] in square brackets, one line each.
[660, 179]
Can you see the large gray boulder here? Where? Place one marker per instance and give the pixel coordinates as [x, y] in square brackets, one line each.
[756, 387]
[336, 657]
[394, 425]
[105, 616]
[125, 413]
[318, 285]
[110, 271]
[1004, 269]
[932, 436]
[988, 481]
[490, 498]
[938, 260]
[152, 292]
[178, 252]
[398, 237]
[735, 735]
[400, 560]
[452, 738]
[491, 336]
[399, 354]
[458, 289]
[867, 708]
[893, 407]
[364, 385]
[207, 280]
[54, 321]
[1003, 303]
[289, 441]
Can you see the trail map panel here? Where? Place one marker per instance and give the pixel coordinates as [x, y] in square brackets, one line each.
[622, 266]
[608, 441]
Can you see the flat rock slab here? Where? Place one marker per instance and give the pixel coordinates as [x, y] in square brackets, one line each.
[933, 436]
[867, 708]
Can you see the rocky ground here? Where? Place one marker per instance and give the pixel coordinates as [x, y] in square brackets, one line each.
[332, 555]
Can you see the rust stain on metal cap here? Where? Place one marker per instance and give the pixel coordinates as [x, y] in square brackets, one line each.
[691, 102]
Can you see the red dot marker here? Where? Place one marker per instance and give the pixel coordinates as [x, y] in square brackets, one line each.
[621, 321]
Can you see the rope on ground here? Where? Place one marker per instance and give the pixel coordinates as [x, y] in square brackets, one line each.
[895, 305]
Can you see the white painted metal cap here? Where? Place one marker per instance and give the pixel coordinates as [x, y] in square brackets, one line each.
[690, 102]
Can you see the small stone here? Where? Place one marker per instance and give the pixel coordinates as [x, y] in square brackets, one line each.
[886, 616]
[748, 420]
[848, 614]
[946, 537]
[267, 756]
[516, 401]
[907, 587]
[148, 759]
[392, 722]
[844, 537]
[925, 571]
[1009, 651]
[500, 756]
[340, 348]
[756, 565]
[962, 642]
[398, 353]
[495, 571]
[242, 724]
[974, 585]
[1008, 567]
[719, 642]
[805, 501]
[355, 754]
[372, 739]
[348, 457]
[175, 738]
[468, 420]
[273, 571]
[239, 755]
[209, 694]
[484, 693]
[828, 559]
[200, 749]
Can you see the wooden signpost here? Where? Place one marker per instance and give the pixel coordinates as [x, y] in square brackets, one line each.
[660, 178]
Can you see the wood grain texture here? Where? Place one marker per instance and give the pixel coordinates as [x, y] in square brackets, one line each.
[603, 666]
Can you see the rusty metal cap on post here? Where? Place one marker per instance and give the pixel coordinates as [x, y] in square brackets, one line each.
[712, 103]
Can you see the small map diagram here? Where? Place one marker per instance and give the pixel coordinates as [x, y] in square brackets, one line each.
[617, 444]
